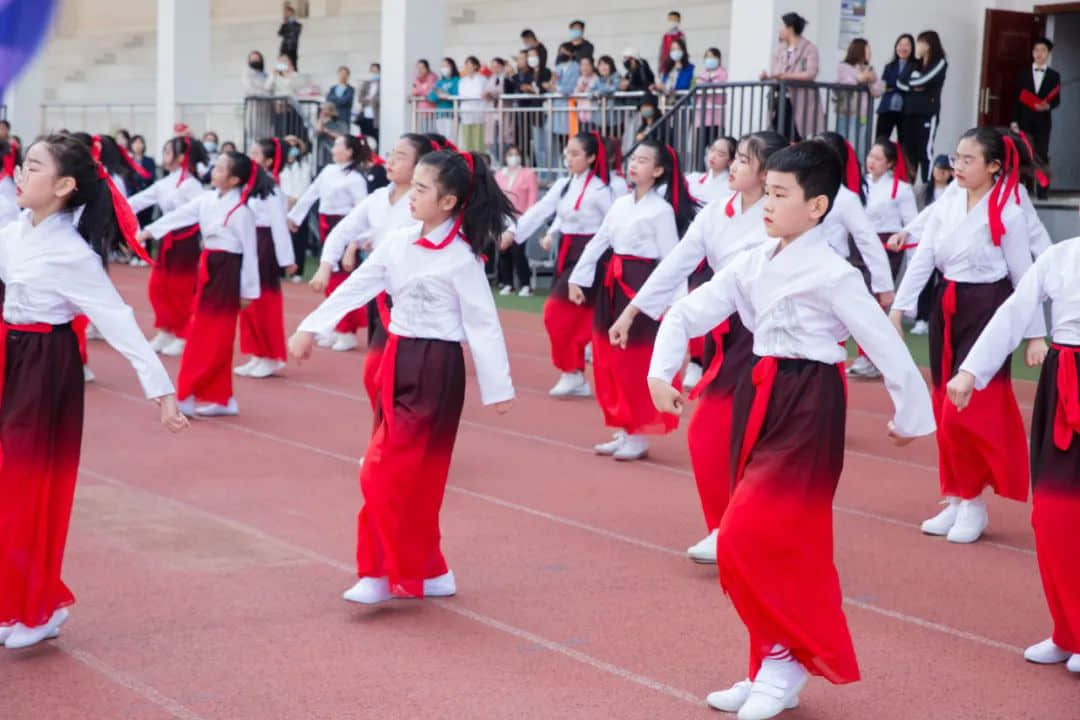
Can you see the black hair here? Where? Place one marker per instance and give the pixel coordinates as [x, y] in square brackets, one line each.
[937, 52]
[425, 62]
[715, 51]
[816, 168]
[577, 23]
[453, 66]
[473, 60]
[610, 62]
[676, 13]
[685, 207]
[7, 148]
[732, 145]
[139, 138]
[928, 189]
[111, 158]
[888, 149]
[228, 143]
[345, 68]
[527, 33]
[764, 144]
[498, 59]
[420, 143]
[795, 21]
[258, 64]
[992, 142]
[361, 152]
[911, 39]
[269, 149]
[376, 65]
[196, 152]
[482, 204]
[836, 142]
[123, 133]
[6, 124]
[1044, 41]
[440, 142]
[241, 167]
[211, 132]
[591, 146]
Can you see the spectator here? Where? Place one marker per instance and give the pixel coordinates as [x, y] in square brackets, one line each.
[123, 139]
[922, 103]
[446, 89]
[796, 58]
[639, 76]
[498, 83]
[470, 89]
[853, 108]
[210, 144]
[567, 72]
[580, 47]
[586, 85]
[672, 34]
[530, 80]
[528, 39]
[290, 35]
[648, 116]
[283, 82]
[227, 147]
[253, 80]
[891, 108]
[1039, 91]
[522, 187]
[680, 74]
[342, 94]
[295, 179]
[370, 92]
[709, 114]
[607, 84]
[422, 87]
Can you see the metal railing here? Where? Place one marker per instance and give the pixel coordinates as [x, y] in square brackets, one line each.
[283, 116]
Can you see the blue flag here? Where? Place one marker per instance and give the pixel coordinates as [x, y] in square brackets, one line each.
[22, 28]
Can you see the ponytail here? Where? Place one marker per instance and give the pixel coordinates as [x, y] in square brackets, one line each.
[254, 182]
[361, 152]
[482, 207]
[422, 144]
[1009, 151]
[271, 149]
[190, 152]
[677, 193]
[849, 162]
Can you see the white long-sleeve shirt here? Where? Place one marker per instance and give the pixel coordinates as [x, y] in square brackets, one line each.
[889, 214]
[643, 228]
[957, 242]
[9, 211]
[438, 295]
[801, 302]
[51, 275]
[7, 188]
[210, 211]
[338, 190]
[1054, 277]
[270, 212]
[848, 217]
[167, 194]
[585, 220]
[370, 221]
[712, 236]
[707, 187]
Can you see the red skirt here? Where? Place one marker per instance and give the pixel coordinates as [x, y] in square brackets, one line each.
[262, 323]
[406, 464]
[775, 545]
[709, 431]
[378, 311]
[569, 326]
[206, 366]
[173, 279]
[1055, 472]
[985, 445]
[41, 419]
[621, 376]
[357, 318]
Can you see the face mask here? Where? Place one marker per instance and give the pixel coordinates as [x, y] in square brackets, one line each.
[281, 67]
[626, 64]
[294, 152]
[533, 61]
[575, 34]
[513, 161]
[675, 55]
[647, 112]
[445, 71]
[211, 146]
[256, 65]
[712, 63]
[373, 77]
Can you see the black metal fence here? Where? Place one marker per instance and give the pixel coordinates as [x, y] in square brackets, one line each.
[283, 116]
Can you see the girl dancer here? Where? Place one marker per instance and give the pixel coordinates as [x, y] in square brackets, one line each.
[54, 268]
[977, 239]
[890, 201]
[1055, 421]
[774, 546]
[262, 323]
[338, 188]
[713, 183]
[364, 228]
[228, 277]
[442, 299]
[640, 229]
[172, 279]
[580, 203]
[718, 235]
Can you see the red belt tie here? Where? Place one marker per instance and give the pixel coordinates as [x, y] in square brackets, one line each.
[948, 310]
[615, 274]
[717, 362]
[565, 243]
[170, 238]
[1067, 412]
[384, 310]
[763, 376]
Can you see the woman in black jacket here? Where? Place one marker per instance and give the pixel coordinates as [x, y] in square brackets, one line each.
[891, 106]
[922, 102]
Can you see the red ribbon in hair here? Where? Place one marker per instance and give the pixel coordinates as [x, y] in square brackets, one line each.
[1007, 182]
[852, 176]
[186, 160]
[8, 168]
[125, 218]
[601, 158]
[424, 242]
[277, 161]
[1040, 176]
[374, 155]
[246, 192]
[139, 169]
[676, 178]
[899, 170]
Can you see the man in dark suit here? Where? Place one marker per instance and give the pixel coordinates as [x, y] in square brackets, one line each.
[290, 35]
[1038, 93]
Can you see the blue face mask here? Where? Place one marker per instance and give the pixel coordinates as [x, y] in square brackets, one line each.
[211, 147]
[712, 63]
[575, 33]
[294, 152]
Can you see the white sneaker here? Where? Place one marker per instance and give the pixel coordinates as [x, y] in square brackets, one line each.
[1073, 665]
[863, 368]
[442, 586]
[971, 520]
[296, 279]
[88, 374]
[775, 689]
[344, 342]
[921, 327]
[609, 448]
[571, 385]
[21, 636]
[243, 370]
[634, 447]
[588, 353]
[186, 406]
[175, 348]
[943, 522]
[369, 591]
[692, 376]
[265, 367]
[705, 551]
[730, 700]
[1047, 653]
[215, 410]
[525, 291]
[92, 333]
[161, 340]
[505, 290]
[133, 262]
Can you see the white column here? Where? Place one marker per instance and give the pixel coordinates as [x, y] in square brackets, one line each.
[754, 26]
[411, 30]
[24, 98]
[183, 60]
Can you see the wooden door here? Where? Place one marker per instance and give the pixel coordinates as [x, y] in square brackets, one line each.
[1007, 40]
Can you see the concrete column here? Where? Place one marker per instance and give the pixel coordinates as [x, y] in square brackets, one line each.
[411, 30]
[24, 98]
[183, 61]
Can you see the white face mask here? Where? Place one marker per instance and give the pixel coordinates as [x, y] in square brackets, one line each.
[533, 61]
[675, 55]
[445, 71]
[513, 161]
[281, 67]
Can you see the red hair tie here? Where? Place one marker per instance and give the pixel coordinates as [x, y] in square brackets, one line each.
[676, 178]
[277, 161]
[125, 218]
[1006, 184]
[246, 192]
[1040, 176]
[601, 158]
[95, 148]
[185, 161]
[139, 169]
[852, 176]
[899, 170]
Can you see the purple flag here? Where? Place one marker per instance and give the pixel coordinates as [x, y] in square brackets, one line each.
[22, 28]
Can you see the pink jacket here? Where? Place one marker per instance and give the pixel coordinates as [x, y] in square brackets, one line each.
[712, 102]
[421, 88]
[801, 63]
[846, 102]
[525, 190]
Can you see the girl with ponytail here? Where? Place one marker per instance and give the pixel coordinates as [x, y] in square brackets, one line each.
[228, 277]
[364, 228]
[53, 268]
[890, 199]
[435, 273]
[977, 238]
[719, 234]
[262, 323]
[172, 279]
[640, 229]
[579, 203]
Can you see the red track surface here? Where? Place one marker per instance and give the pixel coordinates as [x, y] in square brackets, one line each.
[209, 568]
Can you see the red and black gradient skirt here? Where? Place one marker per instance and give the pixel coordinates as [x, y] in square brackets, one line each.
[421, 395]
[569, 326]
[621, 376]
[699, 277]
[357, 318]
[775, 545]
[173, 279]
[206, 366]
[1055, 472]
[985, 444]
[262, 323]
[378, 311]
[729, 354]
[41, 419]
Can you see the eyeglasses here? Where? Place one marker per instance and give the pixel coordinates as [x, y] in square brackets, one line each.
[959, 161]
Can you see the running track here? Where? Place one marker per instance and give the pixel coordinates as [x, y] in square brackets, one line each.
[209, 568]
